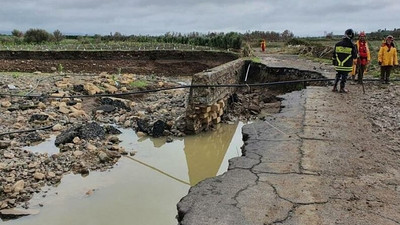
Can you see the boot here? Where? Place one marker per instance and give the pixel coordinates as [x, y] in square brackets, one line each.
[342, 89]
[335, 85]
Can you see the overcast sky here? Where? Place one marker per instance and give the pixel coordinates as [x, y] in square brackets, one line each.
[156, 17]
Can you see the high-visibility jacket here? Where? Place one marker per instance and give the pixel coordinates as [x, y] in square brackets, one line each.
[387, 56]
[343, 55]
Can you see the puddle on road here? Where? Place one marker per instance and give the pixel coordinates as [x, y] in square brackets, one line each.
[46, 146]
[143, 189]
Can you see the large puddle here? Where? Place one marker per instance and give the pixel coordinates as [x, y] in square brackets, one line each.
[140, 190]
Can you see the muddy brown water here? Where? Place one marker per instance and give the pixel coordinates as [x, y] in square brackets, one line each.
[142, 189]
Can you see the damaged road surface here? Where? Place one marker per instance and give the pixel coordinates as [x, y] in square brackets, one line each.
[322, 160]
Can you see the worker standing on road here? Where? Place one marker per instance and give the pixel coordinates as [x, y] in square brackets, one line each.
[387, 58]
[364, 57]
[343, 55]
[263, 45]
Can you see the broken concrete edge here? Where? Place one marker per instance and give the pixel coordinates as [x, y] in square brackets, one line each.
[261, 73]
[206, 105]
[215, 200]
[17, 212]
[202, 110]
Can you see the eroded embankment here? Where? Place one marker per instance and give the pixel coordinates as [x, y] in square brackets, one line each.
[166, 62]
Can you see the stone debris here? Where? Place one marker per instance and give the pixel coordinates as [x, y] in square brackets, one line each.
[84, 126]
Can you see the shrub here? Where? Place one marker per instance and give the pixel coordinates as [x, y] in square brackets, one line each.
[296, 41]
[36, 36]
[17, 33]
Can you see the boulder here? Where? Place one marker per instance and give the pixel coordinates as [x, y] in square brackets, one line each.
[51, 175]
[32, 137]
[105, 108]
[111, 130]
[67, 136]
[143, 126]
[77, 113]
[6, 104]
[38, 117]
[41, 105]
[8, 155]
[78, 88]
[116, 102]
[18, 186]
[110, 88]
[5, 144]
[91, 131]
[91, 89]
[103, 157]
[57, 127]
[158, 128]
[87, 131]
[77, 153]
[91, 147]
[64, 109]
[39, 176]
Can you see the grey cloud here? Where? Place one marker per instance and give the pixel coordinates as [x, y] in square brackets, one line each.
[306, 17]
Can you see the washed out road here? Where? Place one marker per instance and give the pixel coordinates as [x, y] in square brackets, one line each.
[327, 158]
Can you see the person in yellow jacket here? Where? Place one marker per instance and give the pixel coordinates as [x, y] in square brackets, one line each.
[387, 58]
[363, 59]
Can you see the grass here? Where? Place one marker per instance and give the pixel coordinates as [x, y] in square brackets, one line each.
[255, 59]
[16, 75]
[138, 83]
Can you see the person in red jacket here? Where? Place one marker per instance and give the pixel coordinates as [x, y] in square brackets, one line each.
[263, 45]
[364, 56]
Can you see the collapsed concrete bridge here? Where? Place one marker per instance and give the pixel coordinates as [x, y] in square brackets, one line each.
[206, 105]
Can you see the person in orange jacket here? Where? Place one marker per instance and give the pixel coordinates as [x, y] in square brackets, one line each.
[263, 45]
[363, 59]
[387, 58]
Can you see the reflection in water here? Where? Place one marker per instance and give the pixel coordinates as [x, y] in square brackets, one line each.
[205, 153]
[45, 146]
[157, 142]
[158, 170]
[140, 191]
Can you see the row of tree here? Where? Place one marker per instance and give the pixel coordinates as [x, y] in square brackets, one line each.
[231, 40]
[267, 35]
[380, 34]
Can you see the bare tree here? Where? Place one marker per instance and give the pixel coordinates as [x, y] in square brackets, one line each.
[58, 36]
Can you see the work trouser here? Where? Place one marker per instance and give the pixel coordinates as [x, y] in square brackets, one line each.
[342, 76]
[360, 72]
[385, 73]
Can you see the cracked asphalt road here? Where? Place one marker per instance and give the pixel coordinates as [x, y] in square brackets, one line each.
[320, 161]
